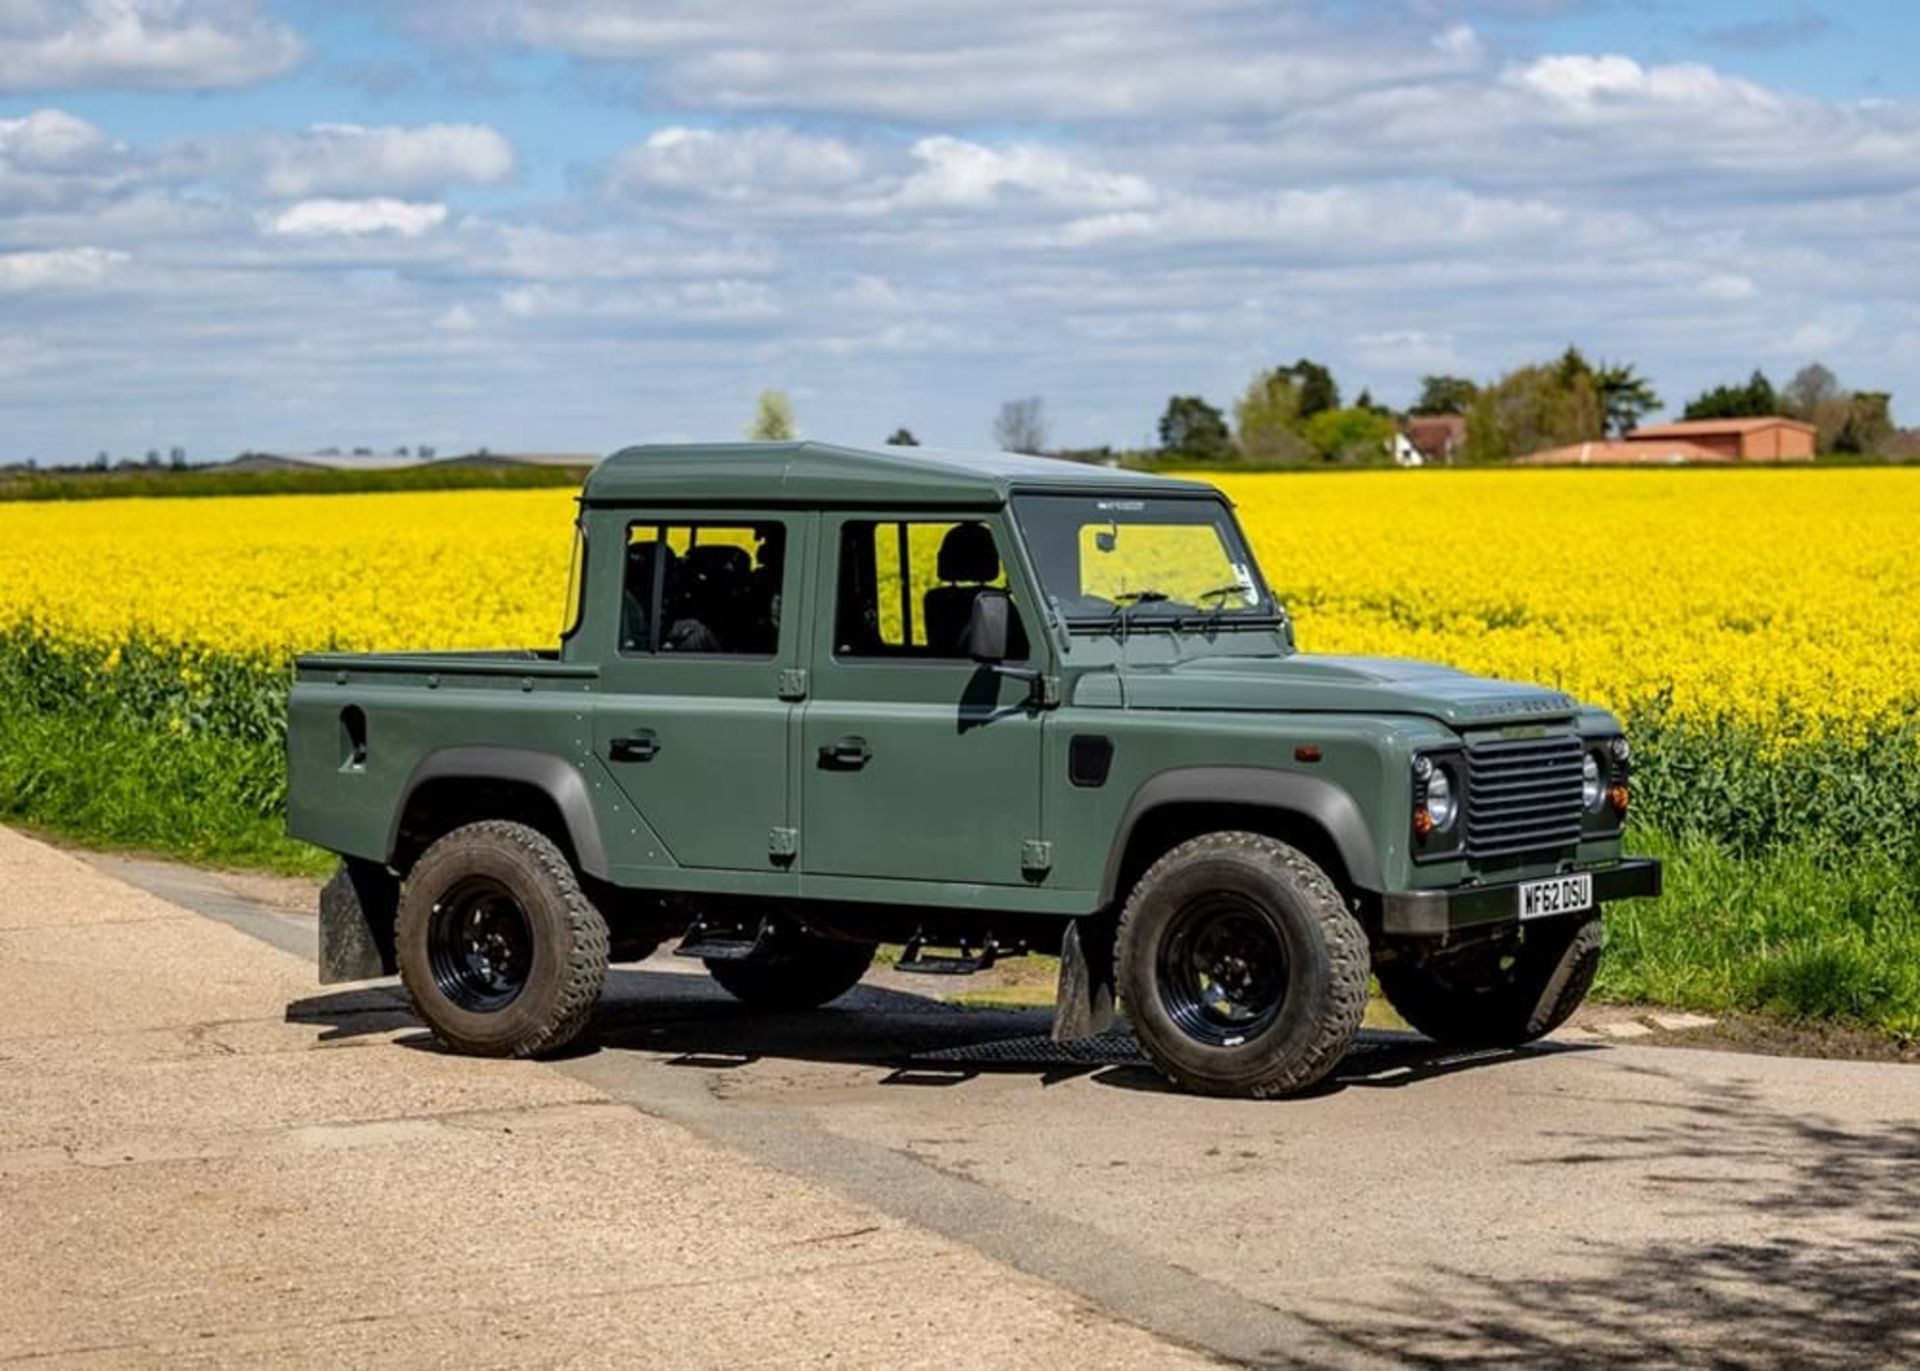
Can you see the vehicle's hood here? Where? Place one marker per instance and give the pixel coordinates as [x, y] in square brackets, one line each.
[1304, 683]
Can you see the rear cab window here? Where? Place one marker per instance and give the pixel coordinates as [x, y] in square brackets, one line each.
[703, 588]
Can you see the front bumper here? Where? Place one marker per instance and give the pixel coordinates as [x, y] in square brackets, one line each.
[1435, 913]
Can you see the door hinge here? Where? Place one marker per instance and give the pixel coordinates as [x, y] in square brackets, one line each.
[783, 843]
[1049, 692]
[793, 683]
[1036, 857]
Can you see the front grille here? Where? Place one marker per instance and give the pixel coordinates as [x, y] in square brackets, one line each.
[1523, 795]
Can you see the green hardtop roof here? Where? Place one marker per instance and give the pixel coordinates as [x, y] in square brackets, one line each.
[827, 474]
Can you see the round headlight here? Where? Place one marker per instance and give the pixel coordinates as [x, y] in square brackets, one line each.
[1618, 747]
[1442, 807]
[1592, 792]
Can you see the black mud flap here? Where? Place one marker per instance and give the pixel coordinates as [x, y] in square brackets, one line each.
[1083, 1008]
[357, 909]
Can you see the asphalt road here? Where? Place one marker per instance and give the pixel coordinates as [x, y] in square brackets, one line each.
[1570, 1206]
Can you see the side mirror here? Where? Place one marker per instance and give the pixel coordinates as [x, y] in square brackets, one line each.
[987, 626]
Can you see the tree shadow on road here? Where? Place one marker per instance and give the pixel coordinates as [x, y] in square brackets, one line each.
[1830, 1276]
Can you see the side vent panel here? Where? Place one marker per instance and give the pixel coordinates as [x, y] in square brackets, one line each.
[1089, 759]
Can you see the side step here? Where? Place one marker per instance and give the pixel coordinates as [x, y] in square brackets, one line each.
[722, 942]
[916, 962]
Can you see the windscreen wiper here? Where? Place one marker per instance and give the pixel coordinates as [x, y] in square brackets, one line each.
[1129, 600]
[1219, 597]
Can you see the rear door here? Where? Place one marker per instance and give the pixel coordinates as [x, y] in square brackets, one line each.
[917, 764]
[696, 701]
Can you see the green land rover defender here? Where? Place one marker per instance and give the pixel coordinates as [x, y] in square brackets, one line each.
[816, 698]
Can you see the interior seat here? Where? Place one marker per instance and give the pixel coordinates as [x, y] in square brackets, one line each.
[718, 582]
[968, 564]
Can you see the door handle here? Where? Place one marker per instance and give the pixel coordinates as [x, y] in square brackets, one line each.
[845, 754]
[642, 745]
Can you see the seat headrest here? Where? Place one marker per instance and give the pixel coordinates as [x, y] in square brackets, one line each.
[719, 562]
[967, 554]
[649, 555]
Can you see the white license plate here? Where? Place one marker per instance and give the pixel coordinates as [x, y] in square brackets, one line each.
[1561, 895]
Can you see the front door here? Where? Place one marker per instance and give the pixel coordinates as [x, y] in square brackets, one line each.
[692, 722]
[917, 763]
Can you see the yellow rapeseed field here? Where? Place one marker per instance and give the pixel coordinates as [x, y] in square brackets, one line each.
[1762, 595]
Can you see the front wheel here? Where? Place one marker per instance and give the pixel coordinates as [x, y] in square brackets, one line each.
[1500, 995]
[804, 972]
[500, 950]
[1241, 969]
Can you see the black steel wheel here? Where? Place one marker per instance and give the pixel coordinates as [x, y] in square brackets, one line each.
[1223, 970]
[501, 951]
[480, 945]
[1240, 967]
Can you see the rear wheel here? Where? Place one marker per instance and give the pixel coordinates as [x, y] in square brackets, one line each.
[501, 952]
[803, 972]
[1500, 995]
[1240, 967]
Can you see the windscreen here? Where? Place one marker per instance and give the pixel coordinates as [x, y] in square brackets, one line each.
[1166, 558]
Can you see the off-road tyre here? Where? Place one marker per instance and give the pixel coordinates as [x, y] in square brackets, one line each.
[805, 972]
[565, 941]
[1500, 997]
[1255, 883]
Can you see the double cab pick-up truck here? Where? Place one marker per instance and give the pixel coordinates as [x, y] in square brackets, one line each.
[812, 699]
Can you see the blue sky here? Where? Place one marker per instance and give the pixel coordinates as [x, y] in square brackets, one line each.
[574, 224]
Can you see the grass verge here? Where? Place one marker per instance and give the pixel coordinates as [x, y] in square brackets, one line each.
[1793, 863]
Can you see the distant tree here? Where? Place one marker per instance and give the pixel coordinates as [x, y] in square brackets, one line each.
[363, 452]
[1266, 420]
[177, 459]
[903, 437]
[1755, 400]
[1318, 392]
[772, 418]
[401, 451]
[1021, 426]
[1356, 435]
[1534, 408]
[153, 459]
[1625, 397]
[1445, 395]
[1815, 396]
[1869, 427]
[101, 460]
[426, 451]
[1811, 387]
[1191, 430]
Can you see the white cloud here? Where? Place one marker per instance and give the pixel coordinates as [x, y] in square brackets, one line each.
[1590, 83]
[958, 174]
[350, 159]
[735, 164]
[1728, 286]
[911, 214]
[353, 218]
[49, 158]
[1345, 221]
[57, 268]
[172, 44]
[970, 59]
[50, 138]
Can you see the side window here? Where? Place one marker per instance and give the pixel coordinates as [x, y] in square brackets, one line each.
[907, 587]
[703, 588]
